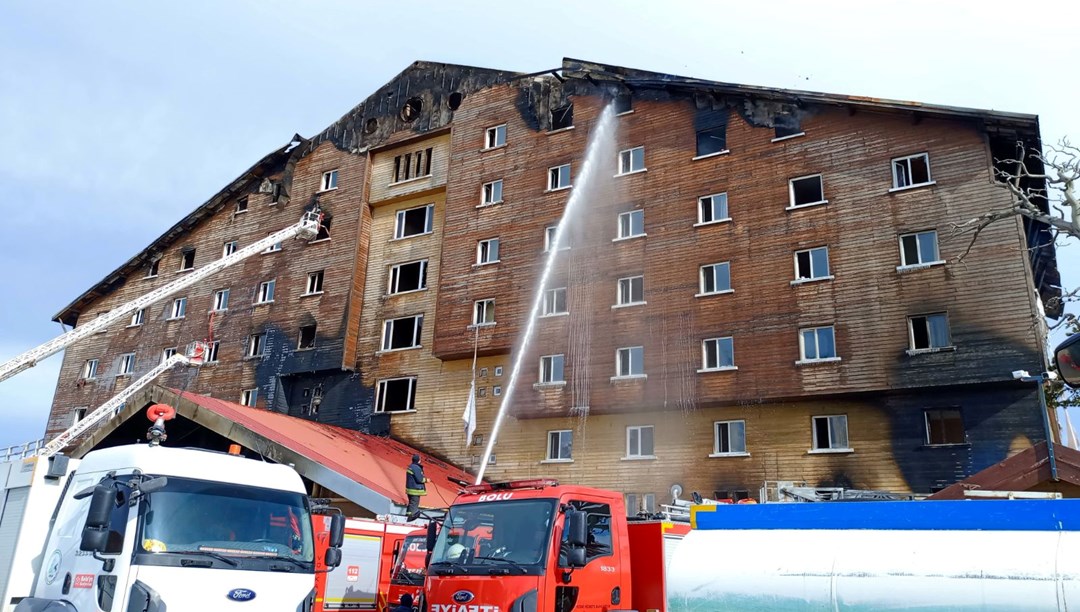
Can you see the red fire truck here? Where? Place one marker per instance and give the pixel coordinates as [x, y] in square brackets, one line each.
[407, 574]
[365, 578]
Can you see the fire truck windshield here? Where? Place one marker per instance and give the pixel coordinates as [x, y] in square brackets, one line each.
[248, 526]
[507, 534]
[409, 565]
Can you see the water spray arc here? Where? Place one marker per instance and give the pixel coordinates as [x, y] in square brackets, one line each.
[603, 131]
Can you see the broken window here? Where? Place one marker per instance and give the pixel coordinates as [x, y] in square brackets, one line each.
[730, 438]
[562, 117]
[241, 205]
[786, 126]
[411, 109]
[555, 301]
[403, 333]
[918, 249]
[212, 353]
[138, 317]
[624, 103]
[944, 426]
[229, 248]
[90, 369]
[249, 397]
[410, 276]
[711, 128]
[412, 165]
[329, 181]
[551, 369]
[630, 361]
[715, 278]
[414, 221]
[324, 229]
[806, 190]
[396, 395]
[256, 345]
[492, 193]
[929, 332]
[495, 136]
[127, 364]
[152, 269]
[717, 353]
[307, 338]
[314, 283]
[484, 312]
[911, 171]
[265, 294]
[713, 208]
[639, 441]
[632, 223]
[78, 415]
[631, 291]
[187, 259]
[812, 263]
[817, 344]
[178, 309]
[221, 300]
[487, 251]
[632, 160]
[831, 432]
[559, 177]
[167, 353]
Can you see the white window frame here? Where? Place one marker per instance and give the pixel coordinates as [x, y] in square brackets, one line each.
[912, 349]
[265, 293]
[717, 452]
[557, 436]
[627, 158]
[549, 238]
[167, 353]
[712, 200]
[484, 250]
[429, 221]
[256, 345]
[791, 191]
[236, 208]
[249, 397]
[637, 454]
[127, 364]
[629, 281]
[906, 265]
[90, 368]
[817, 349]
[394, 277]
[814, 276]
[153, 268]
[555, 174]
[482, 309]
[814, 448]
[705, 367]
[220, 301]
[178, 309]
[380, 397]
[212, 352]
[495, 137]
[551, 302]
[329, 181]
[547, 369]
[703, 273]
[906, 162]
[388, 333]
[315, 282]
[627, 366]
[183, 259]
[79, 414]
[138, 317]
[489, 190]
[229, 247]
[625, 225]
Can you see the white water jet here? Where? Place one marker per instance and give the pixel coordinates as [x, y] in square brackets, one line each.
[603, 132]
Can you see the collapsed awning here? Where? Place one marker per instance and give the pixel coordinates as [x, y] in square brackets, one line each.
[365, 469]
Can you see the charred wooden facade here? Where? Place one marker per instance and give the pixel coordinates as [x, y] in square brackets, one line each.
[763, 286]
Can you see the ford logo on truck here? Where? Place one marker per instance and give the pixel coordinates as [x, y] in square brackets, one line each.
[241, 595]
[463, 597]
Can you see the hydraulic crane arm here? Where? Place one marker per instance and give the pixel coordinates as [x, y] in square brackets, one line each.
[195, 357]
[306, 228]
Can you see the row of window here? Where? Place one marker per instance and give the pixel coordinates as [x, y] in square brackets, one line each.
[828, 433]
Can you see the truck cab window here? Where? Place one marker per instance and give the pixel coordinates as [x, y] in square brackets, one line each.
[598, 519]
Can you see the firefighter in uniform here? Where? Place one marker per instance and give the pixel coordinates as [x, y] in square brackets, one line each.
[415, 487]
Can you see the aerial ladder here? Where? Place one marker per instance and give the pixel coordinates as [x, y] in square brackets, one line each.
[305, 229]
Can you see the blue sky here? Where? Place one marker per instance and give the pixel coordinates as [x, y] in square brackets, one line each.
[116, 119]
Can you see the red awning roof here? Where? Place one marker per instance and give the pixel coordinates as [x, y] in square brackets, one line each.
[377, 463]
[1023, 471]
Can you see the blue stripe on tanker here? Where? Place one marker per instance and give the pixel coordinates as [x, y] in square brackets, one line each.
[967, 515]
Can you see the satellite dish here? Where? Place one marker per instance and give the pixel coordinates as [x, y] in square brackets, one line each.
[676, 491]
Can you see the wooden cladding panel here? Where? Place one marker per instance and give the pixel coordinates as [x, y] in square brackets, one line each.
[383, 186]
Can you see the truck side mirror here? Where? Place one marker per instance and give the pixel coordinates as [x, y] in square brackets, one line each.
[333, 557]
[432, 535]
[1067, 360]
[337, 532]
[577, 532]
[575, 557]
[153, 484]
[101, 506]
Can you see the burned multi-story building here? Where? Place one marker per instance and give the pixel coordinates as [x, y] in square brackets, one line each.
[764, 286]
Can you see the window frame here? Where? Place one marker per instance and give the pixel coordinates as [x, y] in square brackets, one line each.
[300, 344]
[491, 187]
[241, 206]
[90, 369]
[127, 365]
[185, 257]
[551, 359]
[555, 172]
[905, 265]
[314, 283]
[629, 225]
[483, 252]
[959, 415]
[429, 221]
[380, 395]
[138, 318]
[625, 361]
[717, 452]
[803, 359]
[907, 158]
[256, 346]
[710, 133]
[814, 448]
[229, 247]
[702, 276]
[329, 181]
[266, 289]
[639, 455]
[791, 191]
[487, 309]
[626, 160]
[705, 354]
[930, 348]
[619, 291]
[810, 255]
[212, 352]
[491, 137]
[166, 353]
[712, 209]
[549, 308]
[249, 397]
[153, 269]
[219, 301]
[394, 277]
[388, 333]
[178, 309]
[556, 435]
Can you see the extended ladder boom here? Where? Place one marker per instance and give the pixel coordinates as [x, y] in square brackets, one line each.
[306, 228]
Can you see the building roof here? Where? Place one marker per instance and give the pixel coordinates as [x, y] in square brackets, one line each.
[1023, 471]
[367, 470]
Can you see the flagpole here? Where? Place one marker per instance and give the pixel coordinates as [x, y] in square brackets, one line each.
[470, 407]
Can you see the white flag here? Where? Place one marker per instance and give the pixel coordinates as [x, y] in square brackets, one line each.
[1071, 440]
[469, 416]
